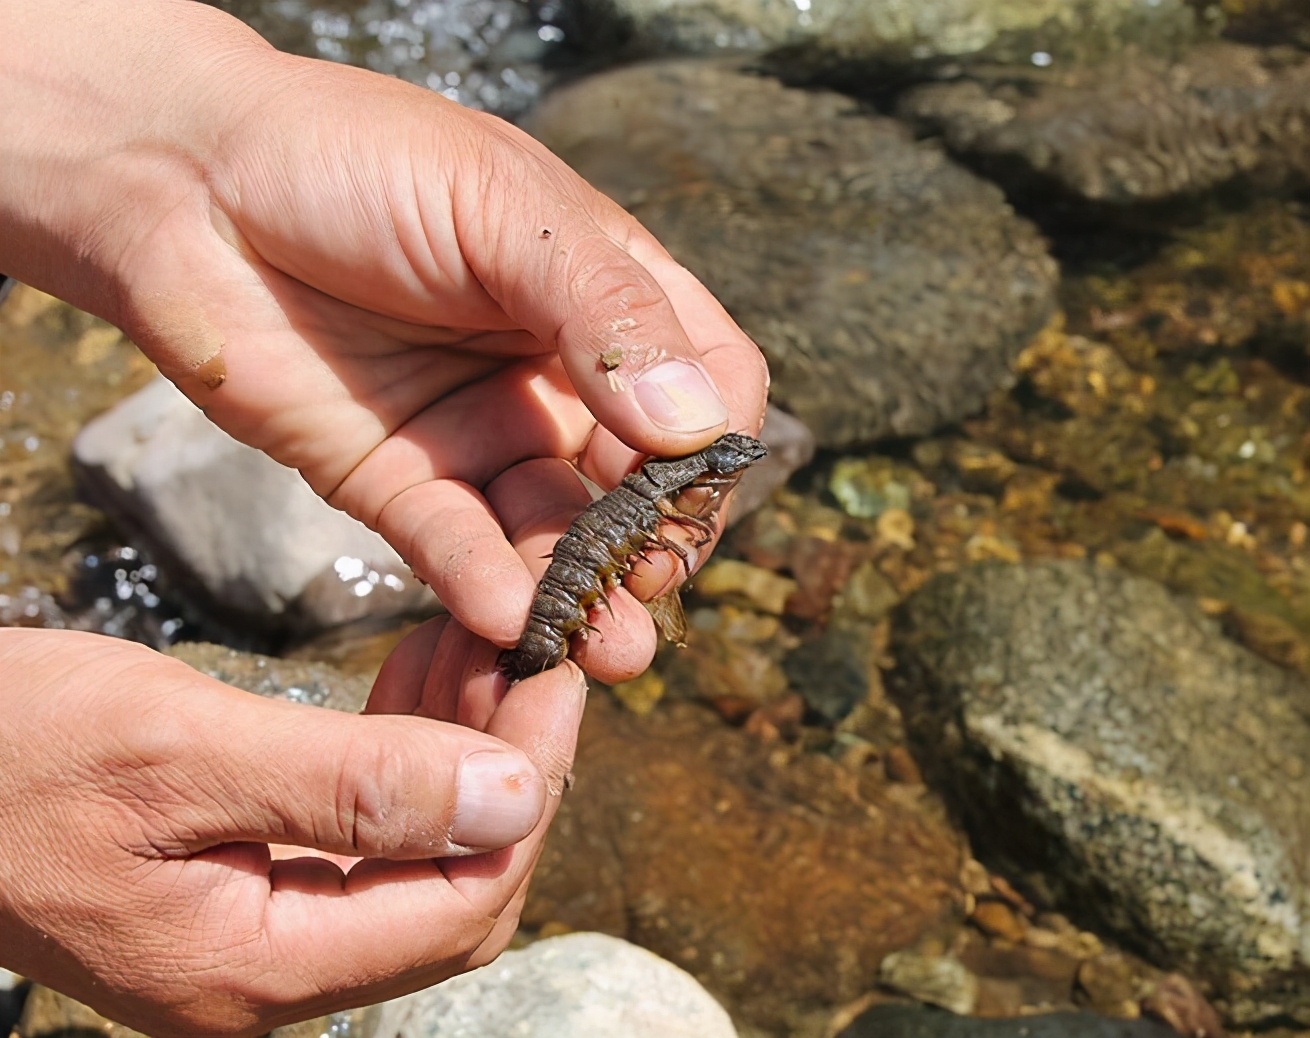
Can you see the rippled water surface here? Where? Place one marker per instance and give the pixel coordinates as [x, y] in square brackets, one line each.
[487, 54]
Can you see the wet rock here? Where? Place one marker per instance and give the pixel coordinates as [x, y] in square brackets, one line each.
[297, 681]
[642, 693]
[826, 37]
[1104, 739]
[914, 1022]
[939, 980]
[779, 881]
[867, 487]
[791, 446]
[832, 671]
[888, 287]
[731, 659]
[1269, 22]
[755, 586]
[1018, 979]
[49, 1014]
[900, 766]
[997, 919]
[1109, 984]
[1134, 130]
[245, 532]
[867, 595]
[485, 54]
[821, 567]
[583, 985]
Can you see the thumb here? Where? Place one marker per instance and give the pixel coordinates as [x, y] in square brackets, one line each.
[572, 274]
[377, 786]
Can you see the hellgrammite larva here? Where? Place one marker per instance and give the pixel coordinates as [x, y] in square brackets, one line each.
[598, 548]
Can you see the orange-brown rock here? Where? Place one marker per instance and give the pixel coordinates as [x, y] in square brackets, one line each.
[773, 877]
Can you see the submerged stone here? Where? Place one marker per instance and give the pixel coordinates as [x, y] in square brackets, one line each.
[486, 54]
[779, 881]
[889, 288]
[1102, 738]
[916, 1022]
[296, 681]
[868, 35]
[1132, 130]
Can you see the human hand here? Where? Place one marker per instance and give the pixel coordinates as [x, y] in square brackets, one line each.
[405, 300]
[137, 799]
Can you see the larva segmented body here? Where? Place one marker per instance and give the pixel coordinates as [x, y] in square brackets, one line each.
[598, 549]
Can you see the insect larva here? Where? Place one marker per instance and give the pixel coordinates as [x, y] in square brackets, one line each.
[598, 548]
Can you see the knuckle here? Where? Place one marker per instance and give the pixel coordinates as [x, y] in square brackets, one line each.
[376, 812]
[363, 817]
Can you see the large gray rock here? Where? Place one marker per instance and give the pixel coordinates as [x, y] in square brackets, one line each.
[846, 34]
[248, 533]
[583, 985]
[1135, 129]
[888, 287]
[1104, 738]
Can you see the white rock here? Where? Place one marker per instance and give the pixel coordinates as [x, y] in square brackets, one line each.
[583, 985]
[228, 518]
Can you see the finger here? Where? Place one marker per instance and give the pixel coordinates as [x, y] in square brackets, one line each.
[623, 644]
[251, 769]
[536, 501]
[450, 537]
[265, 355]
[416, 922]
[579, 288]
[740, 372]
[398, 686]
[663, 571]
[526, 409]
[732, 358]
[463, 684]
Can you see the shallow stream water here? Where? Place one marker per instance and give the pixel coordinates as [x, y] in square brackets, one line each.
[1159, 424]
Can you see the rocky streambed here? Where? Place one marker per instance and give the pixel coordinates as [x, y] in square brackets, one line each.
[995, 718]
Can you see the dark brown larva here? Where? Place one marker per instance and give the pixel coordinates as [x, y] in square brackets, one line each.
[599, 546]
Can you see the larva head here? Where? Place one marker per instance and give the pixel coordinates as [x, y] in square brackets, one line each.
[723, 463]
[732, 453]
[717, 464]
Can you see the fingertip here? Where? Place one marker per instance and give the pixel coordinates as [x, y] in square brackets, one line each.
[452, 539]
[630, 358]
[656, 399]
[489, 595]
[678, 396]
[542, 715]
[623, 646]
